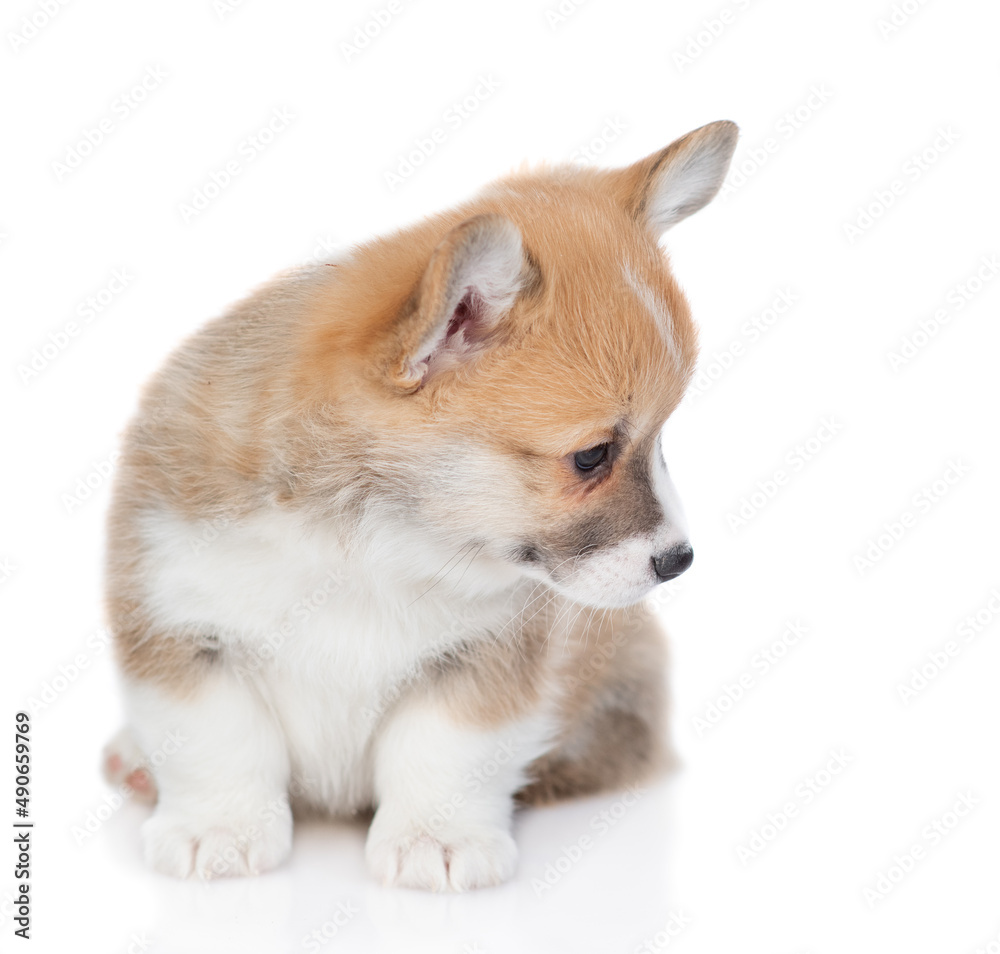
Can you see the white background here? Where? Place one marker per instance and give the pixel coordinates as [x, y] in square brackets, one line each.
[915, 104]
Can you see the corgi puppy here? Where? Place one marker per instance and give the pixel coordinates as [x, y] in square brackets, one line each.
[380, 535]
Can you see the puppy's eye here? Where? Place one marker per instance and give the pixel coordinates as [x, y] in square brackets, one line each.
[589, 459]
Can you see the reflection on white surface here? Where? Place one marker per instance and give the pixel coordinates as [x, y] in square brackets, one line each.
[605, 854]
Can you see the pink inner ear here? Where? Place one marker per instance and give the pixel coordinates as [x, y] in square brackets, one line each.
[466, 328]
[464, 319]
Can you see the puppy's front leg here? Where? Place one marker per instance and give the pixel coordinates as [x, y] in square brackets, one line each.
[444, 787]
[223, 806]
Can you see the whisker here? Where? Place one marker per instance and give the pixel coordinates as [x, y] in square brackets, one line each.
[444, 571]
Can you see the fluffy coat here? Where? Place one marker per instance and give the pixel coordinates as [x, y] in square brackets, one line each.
[354, 561]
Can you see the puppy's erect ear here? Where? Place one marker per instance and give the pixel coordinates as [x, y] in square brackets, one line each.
[471, 281]
[671, 184]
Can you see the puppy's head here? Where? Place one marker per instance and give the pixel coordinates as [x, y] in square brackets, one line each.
[526, 378]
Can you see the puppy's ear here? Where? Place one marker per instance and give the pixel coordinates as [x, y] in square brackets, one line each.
[470, 283]
[671, 184]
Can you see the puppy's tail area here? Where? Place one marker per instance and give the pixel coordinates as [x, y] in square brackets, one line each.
[126, 768]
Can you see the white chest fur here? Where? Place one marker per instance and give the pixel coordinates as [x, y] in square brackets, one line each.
[327, 643]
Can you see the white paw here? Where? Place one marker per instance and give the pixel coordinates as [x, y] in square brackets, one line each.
[181, 846]
[448, 860]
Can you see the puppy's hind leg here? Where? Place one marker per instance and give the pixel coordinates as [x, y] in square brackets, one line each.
[126, 768]
[613, 716]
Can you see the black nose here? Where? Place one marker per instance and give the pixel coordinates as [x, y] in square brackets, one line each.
[671, 563]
